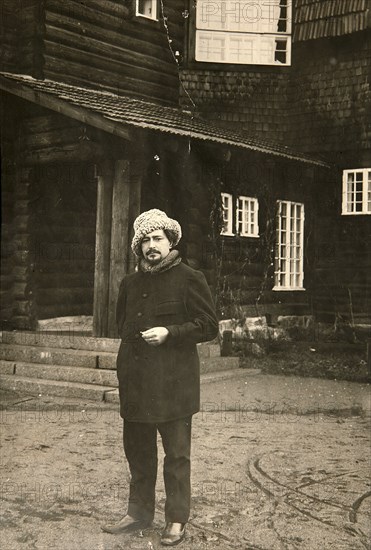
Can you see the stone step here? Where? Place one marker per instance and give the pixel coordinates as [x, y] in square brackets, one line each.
[113, 396]
[56, 356]
[7, 367]
[33, 386]
[92, 392]
[73, 341]
[89, 375]
[215, 364]
[102, 377]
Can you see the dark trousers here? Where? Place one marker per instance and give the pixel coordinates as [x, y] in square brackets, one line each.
[140, 445]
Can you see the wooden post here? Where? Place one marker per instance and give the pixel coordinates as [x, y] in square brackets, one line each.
[119, 238]
[102, 250]
[227, 343]
[136, 176]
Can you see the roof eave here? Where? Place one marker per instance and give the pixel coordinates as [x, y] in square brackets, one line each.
[123, 129]
[65, 108]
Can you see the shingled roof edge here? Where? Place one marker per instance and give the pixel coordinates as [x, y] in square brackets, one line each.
[26, 89]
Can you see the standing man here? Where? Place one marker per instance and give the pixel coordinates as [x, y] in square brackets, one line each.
[163, 310]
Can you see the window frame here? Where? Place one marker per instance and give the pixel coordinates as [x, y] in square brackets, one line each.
[193, 31]
[228, 220]
[154, 3]
[233, 218]
[289, 245]
[255, 211]
[366, 192]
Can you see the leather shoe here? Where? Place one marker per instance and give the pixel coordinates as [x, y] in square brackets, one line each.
[173, 534]
[127, 524]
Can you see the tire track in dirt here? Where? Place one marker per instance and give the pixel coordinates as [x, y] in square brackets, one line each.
[304, 503]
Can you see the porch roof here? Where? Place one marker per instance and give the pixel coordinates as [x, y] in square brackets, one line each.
[117, 114]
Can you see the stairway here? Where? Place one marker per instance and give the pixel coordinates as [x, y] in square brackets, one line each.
[76, 366]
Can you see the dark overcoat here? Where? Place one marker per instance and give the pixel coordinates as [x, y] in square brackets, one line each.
[162, 383]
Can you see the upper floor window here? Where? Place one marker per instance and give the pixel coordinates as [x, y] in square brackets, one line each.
[356, 191]
[146, 8]
[244, 217]
[243, 31]
[289, 251]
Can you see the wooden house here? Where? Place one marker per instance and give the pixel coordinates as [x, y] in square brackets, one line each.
[111, 107]
[313, 93]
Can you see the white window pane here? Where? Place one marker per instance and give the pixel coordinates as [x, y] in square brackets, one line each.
[259, 16]
[240, 48]
[357, 191]
[227, 213]
[147, 8]
[210, 47]
[289, 247]
[246, 217]
[266, 52]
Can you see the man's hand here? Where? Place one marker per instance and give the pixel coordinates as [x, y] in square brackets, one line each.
[155, 336]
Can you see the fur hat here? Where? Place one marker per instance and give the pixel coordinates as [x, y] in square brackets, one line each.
[151, 221]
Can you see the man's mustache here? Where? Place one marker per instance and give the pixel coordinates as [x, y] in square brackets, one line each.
[151, 250]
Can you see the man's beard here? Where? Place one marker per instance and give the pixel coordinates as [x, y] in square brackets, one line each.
[155, 260]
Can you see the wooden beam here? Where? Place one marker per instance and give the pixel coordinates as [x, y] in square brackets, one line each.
[139, 158]
[134, 211]
[119, 238]
[102, 250]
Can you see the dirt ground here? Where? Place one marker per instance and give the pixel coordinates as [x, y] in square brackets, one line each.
[261, 481]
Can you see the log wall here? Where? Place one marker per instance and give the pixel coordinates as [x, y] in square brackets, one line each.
[240, 269]
[63, 223]
[342, 266]
[9, 32]
[343, 285]
[187, 182]
[100, 43]
[49, 210]
[95, 43]
[8, 185]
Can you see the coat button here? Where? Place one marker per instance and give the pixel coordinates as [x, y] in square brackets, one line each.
[139, 314]
[145, 295]
[136, 357]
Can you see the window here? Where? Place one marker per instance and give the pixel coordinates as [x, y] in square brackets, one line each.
[289, 251]
[243, 31]
[146, 8]
[246, 216]
[227, 214]
[356, 191]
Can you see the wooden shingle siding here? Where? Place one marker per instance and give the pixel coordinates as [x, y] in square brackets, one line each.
[329, 18]
[329, 96]
[250, 100]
